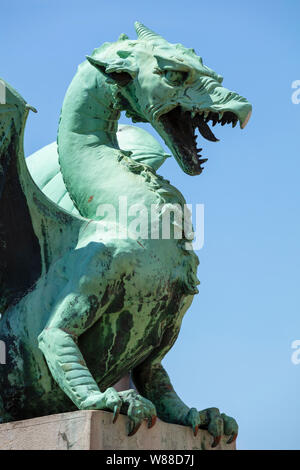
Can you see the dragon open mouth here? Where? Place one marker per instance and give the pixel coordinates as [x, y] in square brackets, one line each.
[180, 127]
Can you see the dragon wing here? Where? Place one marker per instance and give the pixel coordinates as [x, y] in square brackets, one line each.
[34, 231]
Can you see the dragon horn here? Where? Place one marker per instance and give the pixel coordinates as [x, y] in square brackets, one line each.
[145, 33]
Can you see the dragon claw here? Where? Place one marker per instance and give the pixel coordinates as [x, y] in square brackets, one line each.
[232, 438]
[216, 441]
[116, 413]
[151, 421]
[133, 428]
[192, 419]
[230, 428]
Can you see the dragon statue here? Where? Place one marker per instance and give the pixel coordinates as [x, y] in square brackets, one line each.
[81, 308]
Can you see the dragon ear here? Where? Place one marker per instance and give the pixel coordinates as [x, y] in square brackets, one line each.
[117, 64]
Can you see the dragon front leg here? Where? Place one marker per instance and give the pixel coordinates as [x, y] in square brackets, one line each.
[69, 369]
[154, 383]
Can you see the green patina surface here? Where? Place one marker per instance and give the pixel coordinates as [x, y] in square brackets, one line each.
[80, 308]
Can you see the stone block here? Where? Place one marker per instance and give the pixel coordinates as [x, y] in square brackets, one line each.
[94, 430]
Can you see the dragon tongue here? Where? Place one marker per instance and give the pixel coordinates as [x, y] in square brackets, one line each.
[205, 131]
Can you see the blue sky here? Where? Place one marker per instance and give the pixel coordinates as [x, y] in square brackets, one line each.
[234, 349]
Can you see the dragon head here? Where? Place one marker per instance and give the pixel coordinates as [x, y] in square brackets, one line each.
[168, 86]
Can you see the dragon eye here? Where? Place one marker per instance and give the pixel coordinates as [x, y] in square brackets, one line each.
[175, 77]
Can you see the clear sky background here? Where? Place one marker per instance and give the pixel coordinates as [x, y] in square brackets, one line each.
[234, 349]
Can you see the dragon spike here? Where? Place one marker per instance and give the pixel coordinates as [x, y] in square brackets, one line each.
[145, 33]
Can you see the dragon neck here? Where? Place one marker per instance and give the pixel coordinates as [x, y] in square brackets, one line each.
[94, 169]
[87, 143]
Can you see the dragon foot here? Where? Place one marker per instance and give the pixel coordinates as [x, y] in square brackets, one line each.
[215, 422]
[137, 409]
[108, 400]
[128, 402]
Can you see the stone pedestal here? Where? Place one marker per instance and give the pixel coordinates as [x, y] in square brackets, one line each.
[93, 430]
